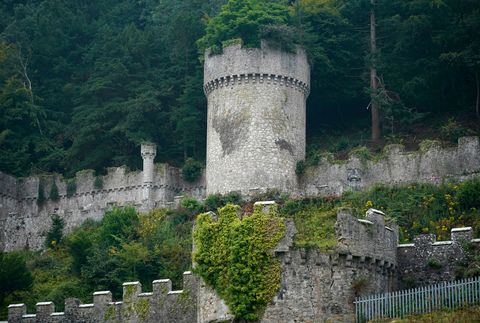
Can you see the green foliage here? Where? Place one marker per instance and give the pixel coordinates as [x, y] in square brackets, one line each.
[452, 130]
[54, 235]
[434, 264]
[98, 184]
[247, 20]
[14, 274]
[234, 256]
[54, 196]
[71, 187]
[465, 314]
[41, 193]
[314, 221]
[468, 194]
[300, 167]
[192, 170]
[119, 225]
[420, 208]
[216, 201]
[192, 205]
[100, 255]
[361, 152]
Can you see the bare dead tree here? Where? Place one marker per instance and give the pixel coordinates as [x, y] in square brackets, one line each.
[27, 83]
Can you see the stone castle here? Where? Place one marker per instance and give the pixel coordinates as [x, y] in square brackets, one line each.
[255, 137]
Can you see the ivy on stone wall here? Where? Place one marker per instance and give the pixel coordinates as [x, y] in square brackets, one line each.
[234, 255]
[54, 195]
[71, 187]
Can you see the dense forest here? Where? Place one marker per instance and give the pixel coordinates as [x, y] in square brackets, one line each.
[83, 83]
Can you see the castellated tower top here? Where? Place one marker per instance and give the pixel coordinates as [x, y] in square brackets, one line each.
[256, 118]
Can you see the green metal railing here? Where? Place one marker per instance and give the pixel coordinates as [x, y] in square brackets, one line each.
[447, 295]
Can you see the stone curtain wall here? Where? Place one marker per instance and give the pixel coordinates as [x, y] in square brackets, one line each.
[256, 118]
[431, 165]
[426, 261]
[24, 220]
[162, 305]
[319, 286]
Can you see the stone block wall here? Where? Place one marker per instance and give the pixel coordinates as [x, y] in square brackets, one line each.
[428, 165]
[256, 118]
[24, 220]
[162, 305]
[426, 261]
[318, 286]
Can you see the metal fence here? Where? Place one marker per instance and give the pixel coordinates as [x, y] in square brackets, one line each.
[448, 295]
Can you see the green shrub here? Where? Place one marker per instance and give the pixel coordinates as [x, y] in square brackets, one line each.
[469, 194]
[213, 202]
[362, 152]
[300, 168]
[452, 130]
[98, 184]
[54, 196]
[191, 170]
[245, 19]
[55, 234]
[434, 263]
[71, 187]
[118, 225]
[234, 256]
[41, 193]
[191, 204]
[14, 274]
[280, 36]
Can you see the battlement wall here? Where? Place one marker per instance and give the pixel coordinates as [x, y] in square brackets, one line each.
[26, 204]
[429, 165]
[265, 61]
[427, 261]
[320, 286]
[160, 305]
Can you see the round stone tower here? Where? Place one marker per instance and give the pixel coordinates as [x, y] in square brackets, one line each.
[256, 118]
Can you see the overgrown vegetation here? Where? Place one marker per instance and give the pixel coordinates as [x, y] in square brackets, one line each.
[126, 245]
[234, 255]
[99, 255]
[192, 170]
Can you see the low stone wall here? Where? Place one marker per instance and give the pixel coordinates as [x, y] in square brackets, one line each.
[428, 165]
[426, 261]
[161, 305]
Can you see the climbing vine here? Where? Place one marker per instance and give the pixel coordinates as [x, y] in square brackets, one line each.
[234, 255]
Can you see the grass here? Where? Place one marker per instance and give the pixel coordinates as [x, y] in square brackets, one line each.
[463, 315]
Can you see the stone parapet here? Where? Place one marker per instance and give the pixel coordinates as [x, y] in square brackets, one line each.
[161, 305]
[431, 164]
[427, 261]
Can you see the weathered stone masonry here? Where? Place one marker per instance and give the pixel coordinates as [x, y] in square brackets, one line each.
[426, 261]
[256, 118]
[23, 220]
[316, 286]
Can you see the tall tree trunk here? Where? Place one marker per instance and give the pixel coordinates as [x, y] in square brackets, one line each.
[477, 103]
[376, 131]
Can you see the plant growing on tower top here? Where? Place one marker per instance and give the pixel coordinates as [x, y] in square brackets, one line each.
[250, 21]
